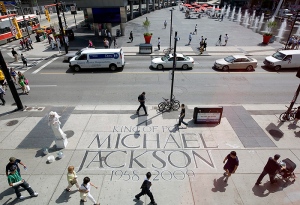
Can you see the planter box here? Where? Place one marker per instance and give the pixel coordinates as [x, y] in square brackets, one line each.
[266, 39]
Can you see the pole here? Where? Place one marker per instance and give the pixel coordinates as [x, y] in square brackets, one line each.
[75, 21]
[64, 14]
[294, 99]
[10, 83]
[287, 41]
[174, 65]
[26, 26]
[171, 27]
[61, 27]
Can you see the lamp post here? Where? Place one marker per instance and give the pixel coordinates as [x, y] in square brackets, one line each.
[171, 26]
[26, 25]
[174, 65]
[287, 41]
[61, 27]
[63, 13]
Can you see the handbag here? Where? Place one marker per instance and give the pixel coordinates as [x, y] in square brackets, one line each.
[27, 87]
[74, 181]
[26, 81]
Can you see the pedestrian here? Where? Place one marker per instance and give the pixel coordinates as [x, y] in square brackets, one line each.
[13, 74]
[106, 43]
[15, 181]
[297, 116]
[232, 163]
[226, 39]
[14, 161]
[195, 31]
[205, 44]
[158, 43]
[165, 24]
[49, 39]
[222, 16]
[29, 43]
[22, 44]
[85, 191]
[142, 99]
[22, 82]
[52, 43]
[67, 40]
[115, 42]
[109, 36]
[91, 45]
[58, 44]
[72, 178]
[181, 116]
[24, 60]
[219, 42]
[15, 54]
[146, 186]
[2, 93]
[26, 44]
[131, 36]
[271, 169]
[190, 38]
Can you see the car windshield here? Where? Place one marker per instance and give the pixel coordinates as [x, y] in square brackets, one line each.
[78, 53]
[229, 59]
[278, 56]
[164, 58]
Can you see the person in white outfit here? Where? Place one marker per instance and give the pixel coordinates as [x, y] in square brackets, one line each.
[67, 40]
[58, 44]
[85, 191]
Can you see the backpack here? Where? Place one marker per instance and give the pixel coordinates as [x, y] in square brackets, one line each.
[146, 185]
[140, 97]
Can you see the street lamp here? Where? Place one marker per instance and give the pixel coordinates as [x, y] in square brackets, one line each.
[63, 13]
[21, 8]
[287, 41]
[171, 26]
[174, 64]
[61, 27]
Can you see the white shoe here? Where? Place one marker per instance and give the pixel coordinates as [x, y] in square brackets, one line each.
[35, 194]
[21, 197]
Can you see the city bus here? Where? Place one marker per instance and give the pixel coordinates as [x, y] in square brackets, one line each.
[6, 23]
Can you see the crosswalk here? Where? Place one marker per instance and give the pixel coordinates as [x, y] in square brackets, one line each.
[8, 47]
[31, 62]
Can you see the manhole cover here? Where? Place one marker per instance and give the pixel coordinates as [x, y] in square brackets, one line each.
[12, 122]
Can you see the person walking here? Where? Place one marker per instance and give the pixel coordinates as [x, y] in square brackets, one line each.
[165, 24]
[15, 181]
[190, 38]
[158, 43]
[271, 169]
[15, 54]
[67, 40]
[85, 191]
[195, 31]
[24, 60]
[22, 44]
[21, 81]
[232, 163]
[181, 116]
[29, 42]
[205, 44]
[115, 42]
[72, 178]
[146, 186]
[91, 45]
[142, 99]
[58, 44]
[106, 43]
[2, 93]
[131, 36]
[13, 74]
[14, 161]
[109, 36]
[26, 44]
[226, 39]
[219, 42]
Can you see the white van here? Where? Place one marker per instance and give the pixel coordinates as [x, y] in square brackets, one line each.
[283, 59]
[99, 58]
[71, 54]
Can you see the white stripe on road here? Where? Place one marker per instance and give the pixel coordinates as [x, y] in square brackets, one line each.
[38, 86]
[43, 66]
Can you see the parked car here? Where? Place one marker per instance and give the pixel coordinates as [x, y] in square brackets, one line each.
[69, 32]
[236, 62]
[71, 54]
[182, 61]
[283, 59]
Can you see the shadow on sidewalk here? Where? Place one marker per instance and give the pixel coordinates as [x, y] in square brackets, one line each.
[219, 185]
[65, 196]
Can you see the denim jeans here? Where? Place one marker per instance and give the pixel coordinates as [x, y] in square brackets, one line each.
[26, 186]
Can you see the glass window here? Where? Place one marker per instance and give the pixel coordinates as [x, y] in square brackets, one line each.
[278, 56]
[82, 57]
[180, 59]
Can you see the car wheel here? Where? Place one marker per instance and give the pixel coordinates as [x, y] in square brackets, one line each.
[113, 67]
[249, 68]
[225, 68]
[185, 66]
[160, 67]
[76, 68]
[277, 68]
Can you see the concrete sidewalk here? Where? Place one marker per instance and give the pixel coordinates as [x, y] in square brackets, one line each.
[115, 148]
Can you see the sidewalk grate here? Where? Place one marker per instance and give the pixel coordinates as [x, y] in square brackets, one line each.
[34, 109]
[12, 123]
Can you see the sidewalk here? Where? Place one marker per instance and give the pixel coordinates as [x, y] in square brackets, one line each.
[115, 148]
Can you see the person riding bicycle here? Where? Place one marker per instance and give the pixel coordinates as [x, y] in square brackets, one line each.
[165, 23]
[297, 115]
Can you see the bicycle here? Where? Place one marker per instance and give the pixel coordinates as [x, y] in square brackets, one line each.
[168, 105]
[168, 51]
[288, 116]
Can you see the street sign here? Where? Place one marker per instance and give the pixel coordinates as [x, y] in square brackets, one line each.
[9, 3]
[73, 10]
[13, 30]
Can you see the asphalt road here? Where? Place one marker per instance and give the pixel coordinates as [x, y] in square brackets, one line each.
[56, 84]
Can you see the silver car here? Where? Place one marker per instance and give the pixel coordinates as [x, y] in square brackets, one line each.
[236, 62]
[182, 61]
[71, 54]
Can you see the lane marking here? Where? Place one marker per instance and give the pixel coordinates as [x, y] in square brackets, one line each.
[37, 86]
[43, 66]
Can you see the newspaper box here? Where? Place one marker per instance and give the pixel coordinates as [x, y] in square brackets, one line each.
[207, 115]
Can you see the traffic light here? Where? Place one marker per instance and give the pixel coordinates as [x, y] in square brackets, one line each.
[18, 33]
[47, 15]
[3, 8]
